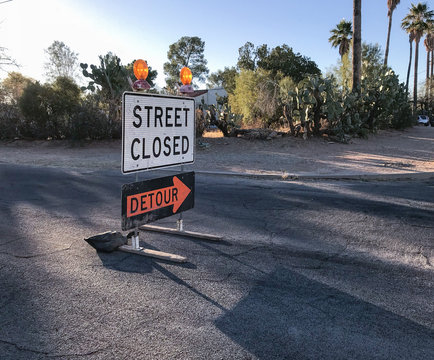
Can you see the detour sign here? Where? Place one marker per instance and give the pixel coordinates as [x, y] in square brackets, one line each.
[150, 200]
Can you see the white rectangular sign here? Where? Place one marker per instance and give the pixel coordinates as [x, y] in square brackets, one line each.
[157, 131]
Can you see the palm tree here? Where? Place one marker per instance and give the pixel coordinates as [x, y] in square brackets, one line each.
[341, 37]
[417, 22]
[429, 46]
[410, 40]
[357, 44]
[391, 5]
[432, 55]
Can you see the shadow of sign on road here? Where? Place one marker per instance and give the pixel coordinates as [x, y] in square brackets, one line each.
[133, 264]
[128, 263]
[289, 316]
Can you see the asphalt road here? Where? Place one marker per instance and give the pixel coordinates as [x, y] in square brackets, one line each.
[307, 270]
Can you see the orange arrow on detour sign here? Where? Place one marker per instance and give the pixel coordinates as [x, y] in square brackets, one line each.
[153, 199]
[157, 199]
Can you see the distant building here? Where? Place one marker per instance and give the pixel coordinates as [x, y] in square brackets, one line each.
[209, 96]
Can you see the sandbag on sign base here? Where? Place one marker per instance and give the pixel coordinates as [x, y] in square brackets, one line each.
[107, 242]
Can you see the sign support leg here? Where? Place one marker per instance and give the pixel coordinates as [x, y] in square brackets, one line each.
[179, 223]
[183, 232]
[153, 253]
[135, 248]
[135, 240]
[180, 228]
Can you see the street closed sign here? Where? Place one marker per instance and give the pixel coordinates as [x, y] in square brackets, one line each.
[157, 131]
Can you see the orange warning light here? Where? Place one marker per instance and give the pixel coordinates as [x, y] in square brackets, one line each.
[140, 69]
[186, 76]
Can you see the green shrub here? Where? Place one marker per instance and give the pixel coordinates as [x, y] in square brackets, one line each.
[47, 109]
[9, 121]
[379, 104]
[36, 111]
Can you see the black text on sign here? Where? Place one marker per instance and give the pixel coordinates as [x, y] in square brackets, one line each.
[158, 131]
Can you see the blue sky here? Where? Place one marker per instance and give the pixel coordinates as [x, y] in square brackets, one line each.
[144, 29]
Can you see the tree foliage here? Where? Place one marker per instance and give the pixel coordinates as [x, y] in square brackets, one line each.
[417, 22]
[263, 72]
[270, 87]
[187, 51]
[12, 87]
[341, 36]
[391, 6]
[108, 81]
[47, 108]
[10, 119]
[317, 102]
[317, 105]
[244, 100]
[5, 59]
[224, 78]
[280, 61]
[372, 62]
[109, 77]
[62, 61]
[247, 57]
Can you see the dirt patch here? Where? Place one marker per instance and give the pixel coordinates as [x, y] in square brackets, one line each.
[406, 151]
[409, 151]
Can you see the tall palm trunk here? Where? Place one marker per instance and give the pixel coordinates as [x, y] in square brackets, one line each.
[357, 43]
[416, 63]
[409, 63]
[386, 53]
[432, 64]
[427, 82]
[431, 78]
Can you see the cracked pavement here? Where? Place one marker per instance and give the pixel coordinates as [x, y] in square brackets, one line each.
[307, 270]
